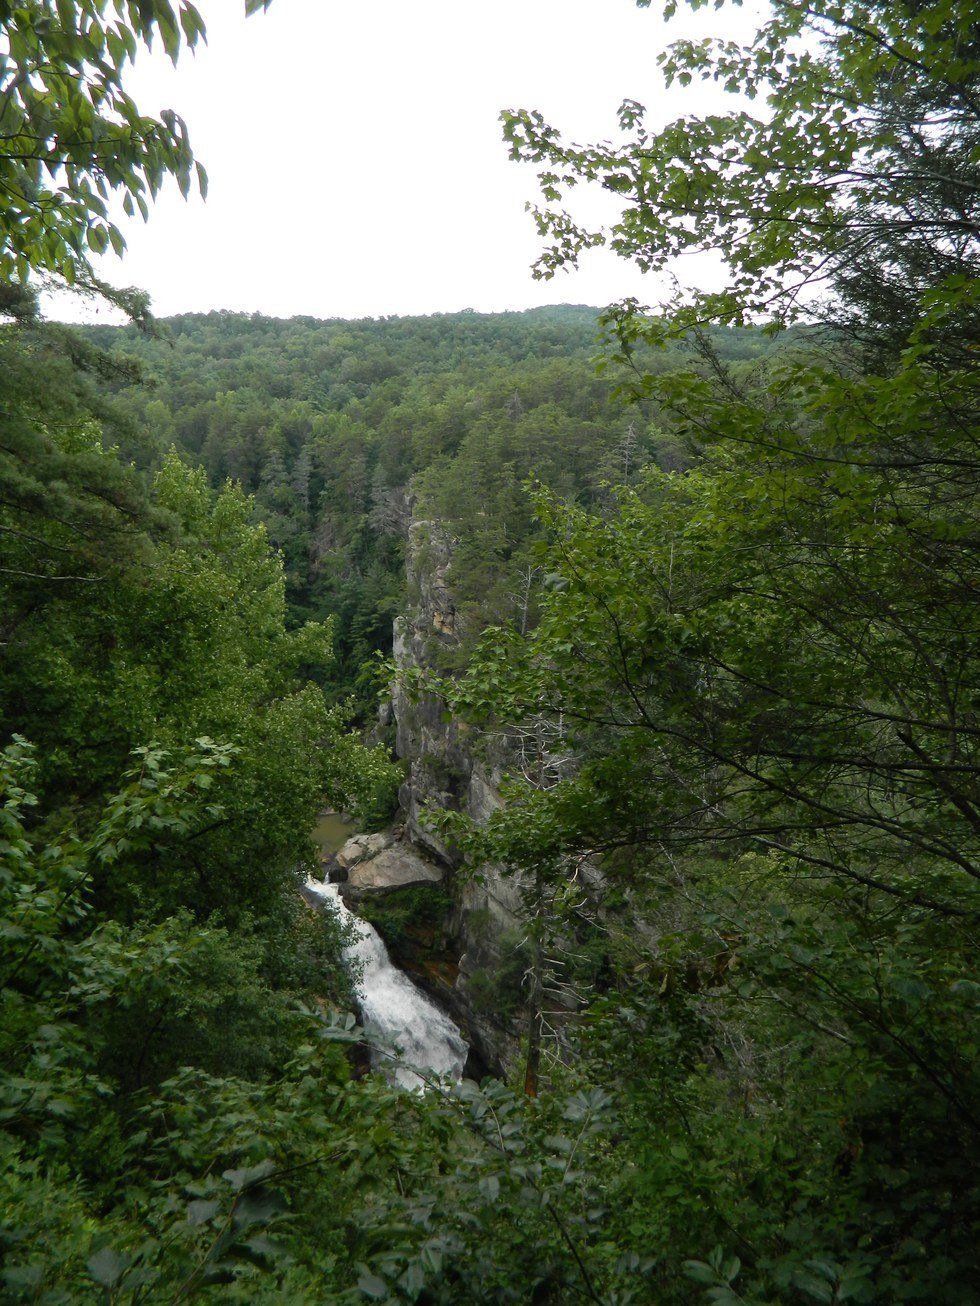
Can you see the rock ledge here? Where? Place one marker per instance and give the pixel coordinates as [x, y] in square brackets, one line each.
[393, 867]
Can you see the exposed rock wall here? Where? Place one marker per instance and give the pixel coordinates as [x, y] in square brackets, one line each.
[450, 766]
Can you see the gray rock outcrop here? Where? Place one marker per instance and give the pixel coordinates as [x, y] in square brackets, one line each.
[360, 847]
[394, 867]
[450, 766]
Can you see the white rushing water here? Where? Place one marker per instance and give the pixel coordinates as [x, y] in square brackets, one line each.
[396, 1010]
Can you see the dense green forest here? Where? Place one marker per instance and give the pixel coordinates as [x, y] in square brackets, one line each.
[342, 430]
[740, 671]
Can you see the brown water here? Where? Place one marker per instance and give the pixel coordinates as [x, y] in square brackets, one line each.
[331, 832]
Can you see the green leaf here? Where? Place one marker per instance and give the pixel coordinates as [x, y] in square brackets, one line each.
[257, 1207]
[200, 1212]
[371, 1286]
[253, 1174]
[107, 1266]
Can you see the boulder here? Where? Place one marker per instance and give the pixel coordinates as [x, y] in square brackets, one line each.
[335, 873]
[360, 847]
[392, 868]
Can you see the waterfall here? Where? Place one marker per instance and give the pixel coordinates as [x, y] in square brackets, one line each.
[395, 1009]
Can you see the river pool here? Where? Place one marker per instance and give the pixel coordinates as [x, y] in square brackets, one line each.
[331, 832]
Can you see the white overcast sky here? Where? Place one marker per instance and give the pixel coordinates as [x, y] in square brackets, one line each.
[355, 155]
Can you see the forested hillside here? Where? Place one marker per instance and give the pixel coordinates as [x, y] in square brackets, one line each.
[694, 584]
[338, 428]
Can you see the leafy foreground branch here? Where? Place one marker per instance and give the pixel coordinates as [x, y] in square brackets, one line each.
[195, 1185]
[764, 670]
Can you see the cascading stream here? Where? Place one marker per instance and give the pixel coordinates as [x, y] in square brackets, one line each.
[395, 1009]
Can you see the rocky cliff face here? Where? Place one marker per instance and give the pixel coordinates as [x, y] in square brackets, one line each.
[450, 766]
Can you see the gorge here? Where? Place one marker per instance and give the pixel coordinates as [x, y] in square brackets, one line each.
[633, 652]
